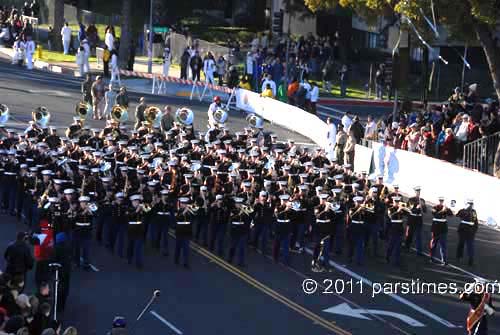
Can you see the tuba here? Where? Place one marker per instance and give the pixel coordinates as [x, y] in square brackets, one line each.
[152, 115]
[254, 121]
[41, 116]
[220, 116]
[119, 114]
[82, 110]
[184, 116]
[4, 114]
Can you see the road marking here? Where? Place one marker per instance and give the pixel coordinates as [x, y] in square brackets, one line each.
[303, 276]
[455, 267]
[165, 322]
[267, 290]
[392, 295]
[345, 309]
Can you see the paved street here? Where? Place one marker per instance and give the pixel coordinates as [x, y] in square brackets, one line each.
[263, 298]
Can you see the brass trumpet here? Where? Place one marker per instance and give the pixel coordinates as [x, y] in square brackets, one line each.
[192, 209]
[244, 209]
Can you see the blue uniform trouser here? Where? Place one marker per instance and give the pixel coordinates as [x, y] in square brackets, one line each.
[372, 235]
[281, 240]
[439, 241]
[414, 229]
[159, 233]
[238, 244]
[27, 210]
[35, 216]
[182, 245]
[202, 230]
[135, 249]
[394, 246]
[121, 233]
[466, 240]
[81, 248]
[337, 239]
[217, 236]
[8, 195]
[261, 232]
[357, 244]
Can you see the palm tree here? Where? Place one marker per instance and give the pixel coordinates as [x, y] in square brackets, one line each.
[125, 33]
[58, 23]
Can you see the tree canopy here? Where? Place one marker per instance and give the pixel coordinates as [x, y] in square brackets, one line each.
[466, 20]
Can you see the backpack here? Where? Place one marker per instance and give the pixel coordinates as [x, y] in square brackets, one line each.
[106, 56]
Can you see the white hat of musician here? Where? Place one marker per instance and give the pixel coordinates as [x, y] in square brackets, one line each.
[219, 197]
[396, 199]
[238, 200]
[440, 199]
[53, 199]
[323, 196]
[284, 197]
[184, 200]
[164, 192]
[69, 191]
[263, 194]
[119, 195]
[358, 199]
[84, 199]
[417, 188]
[136, 197]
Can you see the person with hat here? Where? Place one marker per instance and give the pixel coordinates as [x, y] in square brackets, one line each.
[439, 231]
[239, 230]
[323, 230]
[396, 212]
[136, 230]
[375, 214]
[481, 306]
[214, 106]
[417, 208]
[162, 218]
[282, 227]
[203, 201]
[82, 233]
[118, 226]
[467, 230]
[356, 229]
[183, 230]
[263, 218]
[218, 220]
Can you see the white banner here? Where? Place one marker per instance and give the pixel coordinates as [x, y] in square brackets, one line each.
[362, 159]
[284, 115]
[439, 178]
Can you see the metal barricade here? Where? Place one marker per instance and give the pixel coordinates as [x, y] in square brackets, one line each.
[479, 155]
[179, 43]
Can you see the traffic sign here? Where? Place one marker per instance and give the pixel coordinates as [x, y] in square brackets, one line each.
[160, 30]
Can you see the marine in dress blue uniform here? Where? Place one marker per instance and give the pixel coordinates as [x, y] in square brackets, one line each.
[439, 230]
[467, 231]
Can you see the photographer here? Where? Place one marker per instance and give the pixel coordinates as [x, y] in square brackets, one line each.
[18, 257]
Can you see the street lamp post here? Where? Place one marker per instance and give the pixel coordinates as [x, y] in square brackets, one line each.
[150, 49]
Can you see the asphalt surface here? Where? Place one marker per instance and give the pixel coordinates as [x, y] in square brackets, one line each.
[216, 298]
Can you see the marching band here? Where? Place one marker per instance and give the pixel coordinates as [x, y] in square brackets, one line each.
[134, 187]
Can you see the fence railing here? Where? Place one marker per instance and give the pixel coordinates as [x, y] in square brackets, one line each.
[479, 155]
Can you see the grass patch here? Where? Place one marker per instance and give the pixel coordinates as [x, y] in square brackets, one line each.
[59, 57]
[355, 90]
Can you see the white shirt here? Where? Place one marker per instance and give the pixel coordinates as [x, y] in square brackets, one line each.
[249, 64]
[315, 94]
[462, 131]
[370, 129]
[109, 40]
[66, 33]
[346, 122]
[270, 82]
[211, 110]
[209, 66]
[307, 87]
[332, 133]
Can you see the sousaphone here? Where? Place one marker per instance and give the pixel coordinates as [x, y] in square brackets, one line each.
[41, 116]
